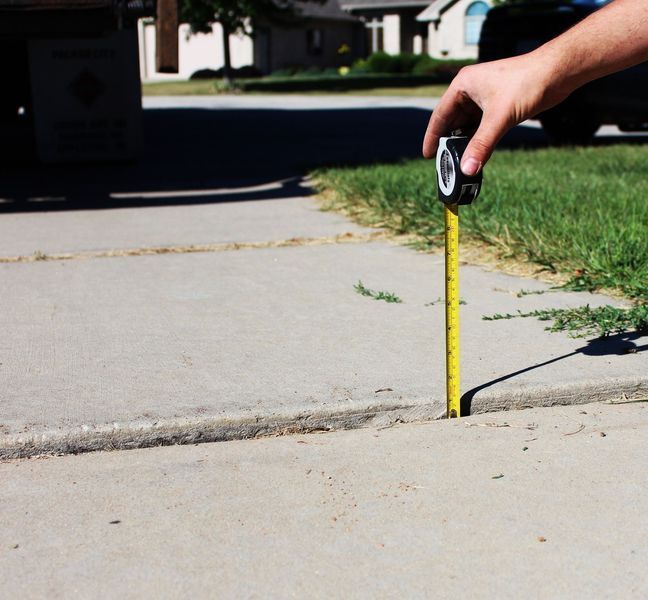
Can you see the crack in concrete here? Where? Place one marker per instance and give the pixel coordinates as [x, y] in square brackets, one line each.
[341, 238]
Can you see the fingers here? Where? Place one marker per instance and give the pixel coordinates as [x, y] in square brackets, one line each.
[441, 122]
[434, 131]
[455, 110]
[431, 139]
[494, 124]
[458, 109]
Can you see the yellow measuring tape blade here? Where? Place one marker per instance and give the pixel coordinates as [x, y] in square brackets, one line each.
[452, 309]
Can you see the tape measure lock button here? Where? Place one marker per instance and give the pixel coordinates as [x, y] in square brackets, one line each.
[454, 186]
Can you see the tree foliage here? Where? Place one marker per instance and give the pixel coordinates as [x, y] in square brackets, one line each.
[235, 15]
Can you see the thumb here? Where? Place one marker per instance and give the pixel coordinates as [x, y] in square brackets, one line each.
[491, 129]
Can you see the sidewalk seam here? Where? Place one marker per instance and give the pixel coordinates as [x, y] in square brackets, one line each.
[341, 238]
[164, 432]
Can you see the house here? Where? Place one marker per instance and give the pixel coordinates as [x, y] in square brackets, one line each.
[332, 34]
[391, 25]
[454, 27]
[323, 36]
[442, 28]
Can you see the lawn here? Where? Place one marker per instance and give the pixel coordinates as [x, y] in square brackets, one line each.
[208, 87]
[198, 87]
[580, 212]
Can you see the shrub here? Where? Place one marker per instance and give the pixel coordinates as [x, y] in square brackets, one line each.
[427, 65]
[407, 63]
[287, 71]
[245, 72]
[359, 66]
[381, 62]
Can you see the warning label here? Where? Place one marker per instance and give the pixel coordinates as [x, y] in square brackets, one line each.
[86, 96]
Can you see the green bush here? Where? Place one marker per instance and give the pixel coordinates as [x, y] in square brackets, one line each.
[407, 64]
[427, 65]
[287, 72]
[381, 62]
[245, 72]
[359, 67]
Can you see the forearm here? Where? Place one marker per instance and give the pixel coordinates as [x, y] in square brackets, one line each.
[611, 39]
[495, 96]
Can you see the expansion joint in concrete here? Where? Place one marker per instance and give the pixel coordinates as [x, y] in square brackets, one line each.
[341, 238]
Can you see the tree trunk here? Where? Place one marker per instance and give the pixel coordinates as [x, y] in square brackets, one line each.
[227, 66]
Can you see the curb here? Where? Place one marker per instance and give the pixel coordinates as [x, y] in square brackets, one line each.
[165, 432]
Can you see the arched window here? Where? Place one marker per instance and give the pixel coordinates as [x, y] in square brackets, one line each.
[475, 15]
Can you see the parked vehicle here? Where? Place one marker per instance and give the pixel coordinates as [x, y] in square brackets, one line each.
[620, 99]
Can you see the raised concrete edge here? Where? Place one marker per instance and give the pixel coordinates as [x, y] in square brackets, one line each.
[164, 432]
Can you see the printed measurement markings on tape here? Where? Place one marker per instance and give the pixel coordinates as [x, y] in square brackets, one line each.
[455, 189]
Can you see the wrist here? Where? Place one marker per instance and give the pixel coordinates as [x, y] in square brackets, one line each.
[554, 72]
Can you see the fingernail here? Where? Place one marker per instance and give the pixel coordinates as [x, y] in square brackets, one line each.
[470, 166]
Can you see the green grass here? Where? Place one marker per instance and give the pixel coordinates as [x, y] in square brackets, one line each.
[198, 87]
[210, 87]
[582, 212]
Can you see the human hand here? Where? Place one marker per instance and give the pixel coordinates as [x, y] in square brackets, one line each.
[489, 99]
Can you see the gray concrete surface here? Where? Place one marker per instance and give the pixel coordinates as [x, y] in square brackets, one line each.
[119, 352]
[142, 350]
[548, 507]
[23, 234]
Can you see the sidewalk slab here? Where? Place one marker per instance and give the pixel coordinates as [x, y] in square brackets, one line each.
[145, 350]
[23, 234]
[552, 506]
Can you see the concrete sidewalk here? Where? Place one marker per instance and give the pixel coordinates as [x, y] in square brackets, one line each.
[261, 330]
[553, 506]
[142, 350]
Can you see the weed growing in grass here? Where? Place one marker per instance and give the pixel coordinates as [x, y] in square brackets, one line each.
[380, 295]
[584, 320]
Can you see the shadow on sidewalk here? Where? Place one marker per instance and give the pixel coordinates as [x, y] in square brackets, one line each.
[198, 156]
[619, 344]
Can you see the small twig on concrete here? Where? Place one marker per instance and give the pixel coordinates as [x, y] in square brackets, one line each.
[529, 426]
[580, 428]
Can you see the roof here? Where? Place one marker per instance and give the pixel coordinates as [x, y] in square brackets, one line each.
[329, 10]
[433, 12]
[379, 4]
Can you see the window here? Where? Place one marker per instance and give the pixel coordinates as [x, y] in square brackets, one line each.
[475, 15]
[314, 41]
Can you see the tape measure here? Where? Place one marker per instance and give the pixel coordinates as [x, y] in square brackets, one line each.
[455, 189]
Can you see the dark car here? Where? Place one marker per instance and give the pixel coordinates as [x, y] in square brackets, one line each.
[620, 99]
